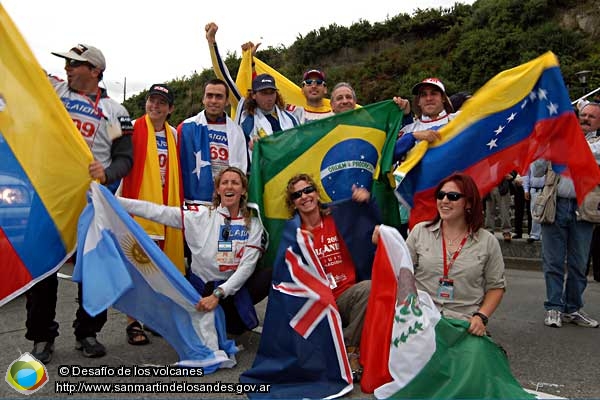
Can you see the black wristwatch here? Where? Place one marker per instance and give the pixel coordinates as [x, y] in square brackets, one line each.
[483, 317]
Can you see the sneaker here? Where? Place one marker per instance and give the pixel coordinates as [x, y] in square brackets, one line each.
[43, 351]
[553, 318]
[580, 318]
[532, 239]
[90, 347]
[517, 236]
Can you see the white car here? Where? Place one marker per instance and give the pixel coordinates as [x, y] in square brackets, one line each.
[15, 204]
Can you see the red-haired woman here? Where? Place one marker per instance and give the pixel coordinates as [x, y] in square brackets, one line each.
[457, 261]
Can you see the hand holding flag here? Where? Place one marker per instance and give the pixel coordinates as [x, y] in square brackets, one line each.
[120, 266]
[520, 115]
[424, 355]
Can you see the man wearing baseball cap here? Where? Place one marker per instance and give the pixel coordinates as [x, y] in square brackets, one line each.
[262, 112]
[106, 127]
[314, 89]
[433, 109]
[85, 54]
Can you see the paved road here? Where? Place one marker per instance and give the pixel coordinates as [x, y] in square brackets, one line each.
[562, 362]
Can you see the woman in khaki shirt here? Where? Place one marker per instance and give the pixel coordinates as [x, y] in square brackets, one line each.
[457, 261]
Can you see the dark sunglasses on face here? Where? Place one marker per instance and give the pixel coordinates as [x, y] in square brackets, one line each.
[309, 82]
[452, 196]
[76, 63]
[306, 190]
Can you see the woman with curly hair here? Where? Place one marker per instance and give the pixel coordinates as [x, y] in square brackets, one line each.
[351, 294]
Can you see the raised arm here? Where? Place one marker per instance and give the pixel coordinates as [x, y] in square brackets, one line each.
[219, 65]
[170, 216]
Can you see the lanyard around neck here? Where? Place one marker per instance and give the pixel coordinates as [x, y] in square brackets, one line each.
[89, 99]
[448, 265]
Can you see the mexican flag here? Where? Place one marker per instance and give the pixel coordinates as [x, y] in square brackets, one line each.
[428, 356]
[351, 148]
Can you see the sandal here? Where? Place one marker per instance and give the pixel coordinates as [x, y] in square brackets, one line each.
[134, 332]
[355, 366]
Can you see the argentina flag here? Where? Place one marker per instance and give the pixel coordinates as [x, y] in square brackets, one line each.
[120, 266]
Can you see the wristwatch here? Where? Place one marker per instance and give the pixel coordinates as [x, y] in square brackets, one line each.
[219, 293]
[483, 317]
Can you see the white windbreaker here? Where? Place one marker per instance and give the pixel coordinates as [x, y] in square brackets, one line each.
[203, 231]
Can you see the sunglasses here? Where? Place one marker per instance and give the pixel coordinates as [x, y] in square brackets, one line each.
[226, 229]
[309, 82]
[306, 190]
[75, 63]
[452, 196]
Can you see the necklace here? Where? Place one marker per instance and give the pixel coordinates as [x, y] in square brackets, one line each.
[455, 240]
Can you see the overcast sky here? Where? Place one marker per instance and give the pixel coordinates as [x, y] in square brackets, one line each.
[156, 41]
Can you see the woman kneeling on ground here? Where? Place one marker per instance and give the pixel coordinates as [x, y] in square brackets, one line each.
[351, 295]
[226, 244]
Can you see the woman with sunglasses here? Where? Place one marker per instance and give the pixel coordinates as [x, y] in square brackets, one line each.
[457, 261]
[351, 295]
[226, 243]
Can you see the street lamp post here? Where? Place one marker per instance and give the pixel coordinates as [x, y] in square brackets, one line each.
[583, 77]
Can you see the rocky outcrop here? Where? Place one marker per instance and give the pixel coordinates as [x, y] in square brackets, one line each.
[583, 17]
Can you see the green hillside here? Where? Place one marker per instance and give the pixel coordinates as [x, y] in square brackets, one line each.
[464, 45]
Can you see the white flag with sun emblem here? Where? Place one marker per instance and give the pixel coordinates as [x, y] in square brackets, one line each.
[119, 265]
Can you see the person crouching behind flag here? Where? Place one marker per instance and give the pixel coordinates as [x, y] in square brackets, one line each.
[351, 296]
[225, 242]
[469, 282]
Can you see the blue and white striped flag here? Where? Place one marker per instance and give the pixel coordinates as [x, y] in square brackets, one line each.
[120, 266]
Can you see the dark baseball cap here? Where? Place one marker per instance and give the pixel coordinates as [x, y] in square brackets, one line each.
[162, 90]
[262, 82]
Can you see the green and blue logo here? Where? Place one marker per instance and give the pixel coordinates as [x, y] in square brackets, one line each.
[26, 374]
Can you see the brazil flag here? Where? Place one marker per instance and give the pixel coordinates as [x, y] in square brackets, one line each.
[351, 148]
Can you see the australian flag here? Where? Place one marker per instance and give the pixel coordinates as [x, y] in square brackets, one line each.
[302, 351]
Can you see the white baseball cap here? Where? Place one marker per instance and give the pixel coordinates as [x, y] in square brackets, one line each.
[87, 53]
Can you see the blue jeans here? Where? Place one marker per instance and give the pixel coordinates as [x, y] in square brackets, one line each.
[570, 239]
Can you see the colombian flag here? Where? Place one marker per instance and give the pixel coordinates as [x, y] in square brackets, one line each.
[43, 170]
[520, 115]
[354, 147]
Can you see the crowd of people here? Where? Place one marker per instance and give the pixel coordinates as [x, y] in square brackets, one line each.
[188, 187]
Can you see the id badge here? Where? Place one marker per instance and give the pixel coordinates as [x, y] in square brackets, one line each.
[446, 289]
[225, 252]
